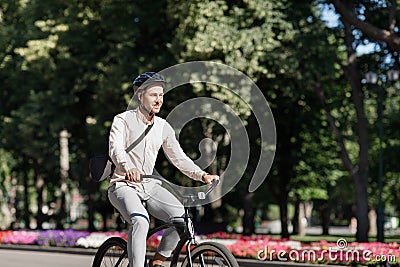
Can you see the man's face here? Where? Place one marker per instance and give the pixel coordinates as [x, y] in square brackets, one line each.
[152, 98]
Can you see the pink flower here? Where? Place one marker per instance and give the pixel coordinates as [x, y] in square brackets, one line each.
[21, 237]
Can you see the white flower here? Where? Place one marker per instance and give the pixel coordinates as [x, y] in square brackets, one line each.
[94, 240]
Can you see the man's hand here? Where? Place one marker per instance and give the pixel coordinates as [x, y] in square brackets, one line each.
[133, 175]
[208, 178]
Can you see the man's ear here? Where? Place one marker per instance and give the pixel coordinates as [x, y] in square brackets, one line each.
[139, 96]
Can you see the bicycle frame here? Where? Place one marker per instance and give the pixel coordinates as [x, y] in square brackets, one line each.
[115, 248]
[186, 234]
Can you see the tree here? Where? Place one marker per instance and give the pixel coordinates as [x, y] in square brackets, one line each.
[388, 35]
[359, 168]
[69, 65]
[75, 62]
[267, 42]
[309, 59]
[241, 34]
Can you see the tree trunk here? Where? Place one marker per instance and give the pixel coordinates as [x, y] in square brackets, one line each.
[325, 212]
[26, 213]
[208, 160]
[248, 217]
[296, 217]
[90, 206]
[285, 171]
[284, 218]
[358, 172]
[39, 185]
[362, 208]
[104, 218]
[12, 195]
[64, 169]
[361, 175]
[302, 219]
[62, 213]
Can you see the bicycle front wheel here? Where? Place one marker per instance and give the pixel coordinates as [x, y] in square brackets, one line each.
[112, 253]
[210, 254]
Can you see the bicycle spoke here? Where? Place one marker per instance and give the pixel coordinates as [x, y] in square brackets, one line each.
[112, 254]
[205, 261]
[219, 261]
[210, 254]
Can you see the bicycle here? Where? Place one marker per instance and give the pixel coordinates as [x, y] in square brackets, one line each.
[113, 251]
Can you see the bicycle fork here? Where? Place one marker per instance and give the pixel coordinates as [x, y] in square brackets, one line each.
[192, 241]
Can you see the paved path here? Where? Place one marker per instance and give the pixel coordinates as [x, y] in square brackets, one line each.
[36, 256]
[24, 258]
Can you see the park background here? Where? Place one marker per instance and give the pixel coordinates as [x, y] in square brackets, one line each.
[67, 68]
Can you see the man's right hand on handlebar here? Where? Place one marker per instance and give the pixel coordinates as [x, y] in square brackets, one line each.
[209, 178]
[133, 175]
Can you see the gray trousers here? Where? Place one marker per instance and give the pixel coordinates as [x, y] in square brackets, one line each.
[159, 202]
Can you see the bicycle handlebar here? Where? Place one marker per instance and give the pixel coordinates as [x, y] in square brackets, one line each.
[200, 195]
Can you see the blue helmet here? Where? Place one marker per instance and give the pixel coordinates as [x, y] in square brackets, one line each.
[147, 78]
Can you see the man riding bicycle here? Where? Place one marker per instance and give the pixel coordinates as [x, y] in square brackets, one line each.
[127, 192]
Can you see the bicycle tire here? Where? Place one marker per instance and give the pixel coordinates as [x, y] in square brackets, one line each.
[112, 253]
[210, 254]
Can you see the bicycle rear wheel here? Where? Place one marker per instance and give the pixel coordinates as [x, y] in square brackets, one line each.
[112, 253]
[211, 254]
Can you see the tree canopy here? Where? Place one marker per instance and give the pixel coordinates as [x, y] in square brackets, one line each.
[69, 66]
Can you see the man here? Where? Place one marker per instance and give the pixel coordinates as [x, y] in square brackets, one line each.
[127, 191]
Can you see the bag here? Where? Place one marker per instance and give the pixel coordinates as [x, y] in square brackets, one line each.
[101, 167]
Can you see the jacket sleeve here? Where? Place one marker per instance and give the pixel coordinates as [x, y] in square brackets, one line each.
[117, 144]
[176, 155]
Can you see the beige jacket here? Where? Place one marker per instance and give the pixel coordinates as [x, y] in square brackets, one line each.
[127, 127]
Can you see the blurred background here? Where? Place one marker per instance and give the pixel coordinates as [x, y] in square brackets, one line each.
[329, 70]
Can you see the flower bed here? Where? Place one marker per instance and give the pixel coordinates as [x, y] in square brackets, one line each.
[56, 238]
[323, 252]
[20, 237]
[259, 247]
[4, 234]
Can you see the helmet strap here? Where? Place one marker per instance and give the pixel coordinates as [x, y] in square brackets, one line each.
[150, 114]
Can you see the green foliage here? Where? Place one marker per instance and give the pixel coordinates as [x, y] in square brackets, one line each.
[69, 65]
[242, 34]
[74, 64]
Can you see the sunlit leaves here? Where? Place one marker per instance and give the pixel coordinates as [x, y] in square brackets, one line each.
[241, 36]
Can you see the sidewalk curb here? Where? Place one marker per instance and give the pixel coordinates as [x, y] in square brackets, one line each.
[92, 251]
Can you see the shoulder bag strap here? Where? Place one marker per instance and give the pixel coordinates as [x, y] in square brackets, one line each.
[140, 138]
